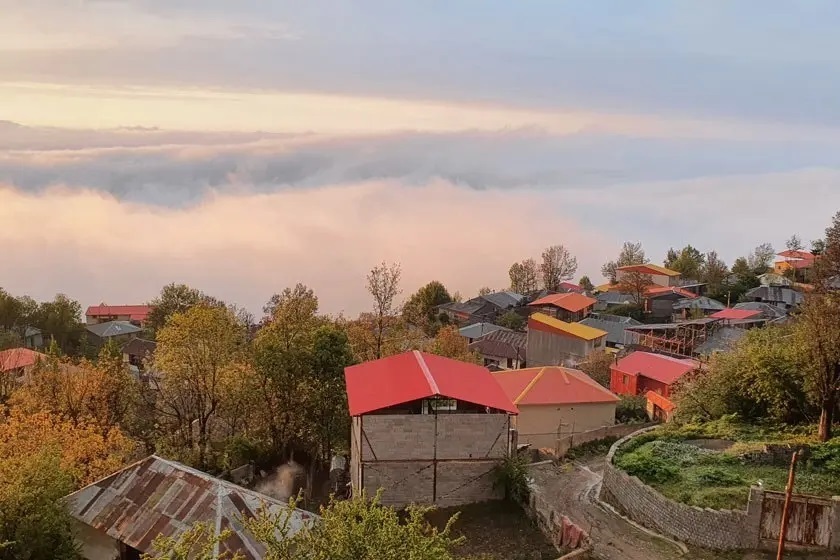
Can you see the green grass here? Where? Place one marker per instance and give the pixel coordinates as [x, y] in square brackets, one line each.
[722, 479]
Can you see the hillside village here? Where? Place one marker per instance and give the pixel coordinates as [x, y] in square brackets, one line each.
[670, 397]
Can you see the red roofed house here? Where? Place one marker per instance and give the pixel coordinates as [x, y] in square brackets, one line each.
[659, 275]
[734, 314]
[660, 300]
[556, 401]
[641, 373]
[426, 429]
[800, 262]
[15, 365]
[570, 307]
[136, 314]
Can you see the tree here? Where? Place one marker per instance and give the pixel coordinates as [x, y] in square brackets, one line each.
[761, 258]
[383, 283]
[485, 290]
[173, 298]
[636, 284]
[60, 320]
[818, 333]
[451, 344]
[829, 265]
[195, 352]
[631, 253]
[557, 266]
[817, 247]
[199, 542]
[688, 261]
[511, 320]
[597, 366]
[586, 284]
[524, 277]
[713, 272]
[794, 243]
[421, 307]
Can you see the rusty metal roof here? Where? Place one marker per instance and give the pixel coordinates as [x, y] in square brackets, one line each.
[156, 496]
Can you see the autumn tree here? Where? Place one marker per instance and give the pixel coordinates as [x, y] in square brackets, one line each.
[817, 247]
[558, 265]
[421, 308]
[631, 253]
[174, 298]
[828, 266]
[196, 350]
[451, 344]
[586, 284]
[524, 276]
[485, 290]
[761, 258]
[597, 366]
[199, 542]
[636, 284]
[383, 284]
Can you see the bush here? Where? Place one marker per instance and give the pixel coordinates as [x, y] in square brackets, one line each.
[718, 498]
[716, 476]
[512, 476]
[631, 409]
[596, 447]
[647, 465]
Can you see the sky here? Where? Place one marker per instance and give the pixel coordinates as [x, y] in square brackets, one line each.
[242, 147]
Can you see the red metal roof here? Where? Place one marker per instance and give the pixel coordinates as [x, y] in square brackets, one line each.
[735, 314]
[552, 385]
[657, 291]
[15, 358]
[571, 287]
[572, 302]
[798, 255]
[417, 375]
[656, 366]
[135, 312]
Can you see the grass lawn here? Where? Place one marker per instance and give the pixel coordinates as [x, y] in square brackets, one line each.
[714, 465]
[496, 531]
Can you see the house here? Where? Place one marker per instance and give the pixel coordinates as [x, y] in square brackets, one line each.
[555, 401]
[606, 300]
[468, 312]
[427, 429]
[798, 264]
[118, 331]
[693, 308]
[614, 326]
[780, 296]
[118, 517]
[644, 373]
[137, 351]
[774, 279]
[659, 275]
[570, 307]
[553, 342]
[659, 301]
[33, 338]
[567, 287]
[502, 349]
[735, 314]
[477, 330]
[15, 363]
[134, 314]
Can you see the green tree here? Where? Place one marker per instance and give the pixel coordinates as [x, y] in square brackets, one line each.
[512, 320]
[383, 284]
[829, 265]
[794, 243]
[761, 258]
[331, 353]
[524, 276]
[421, 308]
[586, 284]
[60, 321]
[688, 261]
[173, 298]
[713, 272]
[558, 265]
[817, 246]
[631, 253]
[199, 542]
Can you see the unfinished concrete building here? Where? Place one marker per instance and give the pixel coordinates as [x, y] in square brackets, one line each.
[427, 429]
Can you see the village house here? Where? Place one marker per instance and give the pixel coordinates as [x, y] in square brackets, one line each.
[659, 275]
[427, 429]
[477, 330]
[651, 375]
[555, 401]
[119, 331]
[781, 296]
[570, 307]
[137, 351]
[486, 308]
[798, 264]
[694, 308]
[659, 301]
[16, 365]
[613, 325]
[502, 349]
[118, 517]
[134, 314]
[608, 299]
[552, 342]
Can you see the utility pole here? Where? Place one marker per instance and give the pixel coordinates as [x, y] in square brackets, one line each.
[786, 511]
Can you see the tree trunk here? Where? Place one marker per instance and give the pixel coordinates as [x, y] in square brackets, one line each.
[829, 404]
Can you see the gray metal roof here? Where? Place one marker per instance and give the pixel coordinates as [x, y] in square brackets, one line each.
[704, 303]
[768, 311]
[504, 300]
[113, 328]
[501, 343]
[614, 325]
[477, 330]
[156, 496]
[720, 341]
[780, 294]
[614, 298]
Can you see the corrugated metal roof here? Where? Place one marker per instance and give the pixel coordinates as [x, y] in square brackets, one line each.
[614, 325]
[792, 254]
[552, 385]
[113, 328]
[503, 300]
[704, 303]
[780, 294]
[572, 302]
[659, 291]
[417, 375]
[156, 496]
[736, 314]
[139, 347]
[656, 366]
[575, 329]
[135, 312]
[649, 268]
[502, 343]
[15, 358]
[723, 339]
[477, 330]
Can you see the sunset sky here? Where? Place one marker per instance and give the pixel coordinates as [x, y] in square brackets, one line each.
[241, 147]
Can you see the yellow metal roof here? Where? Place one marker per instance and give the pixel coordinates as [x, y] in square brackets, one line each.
[575, 329]
[655, 267]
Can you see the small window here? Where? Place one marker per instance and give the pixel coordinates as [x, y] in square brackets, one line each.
[626, 380]
[443, 405]
[510, 363]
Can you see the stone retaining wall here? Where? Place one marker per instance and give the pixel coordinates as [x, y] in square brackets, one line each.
[617, 430]
[707, 528]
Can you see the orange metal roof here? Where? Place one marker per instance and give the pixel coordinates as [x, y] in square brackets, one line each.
[552, 385]
[649, 268]
[585, 332]
[571, 302]
[798, 255]
[15, 358]
[655, 366]
[135, 312]
[735, 314]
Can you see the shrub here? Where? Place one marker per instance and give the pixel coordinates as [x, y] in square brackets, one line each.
[718, 498]
[512, 476]
[631, 409]
[596, 447]
[649, 468]
[716, 476]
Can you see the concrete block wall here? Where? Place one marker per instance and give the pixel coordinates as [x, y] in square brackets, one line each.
[472, 436]
[707, 528]
[460, 483]
[403, 483]
[398, 437]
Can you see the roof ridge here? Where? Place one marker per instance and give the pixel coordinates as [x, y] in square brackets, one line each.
[529, 386]
[433, 387]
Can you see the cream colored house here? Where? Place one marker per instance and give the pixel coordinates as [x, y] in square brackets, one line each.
[555, 401]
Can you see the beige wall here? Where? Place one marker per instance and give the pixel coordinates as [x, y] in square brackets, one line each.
[554, 349]
[95, 545]
[538, 424]
[658, 279]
